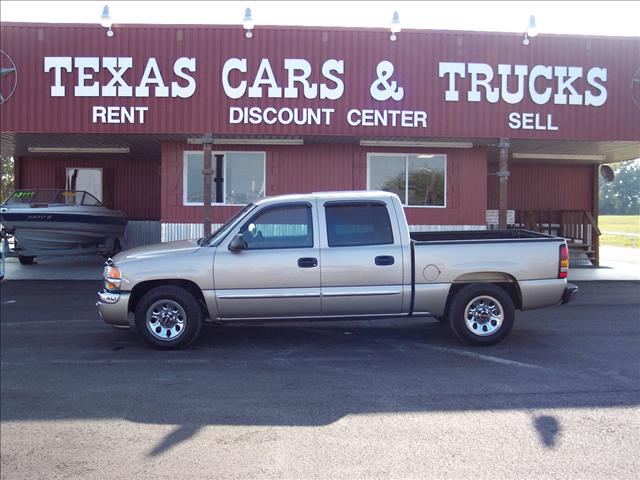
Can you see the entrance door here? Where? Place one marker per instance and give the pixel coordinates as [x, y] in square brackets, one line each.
[278, 274]
[87, 179]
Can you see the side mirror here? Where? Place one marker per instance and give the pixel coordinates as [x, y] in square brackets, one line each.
[238, 243]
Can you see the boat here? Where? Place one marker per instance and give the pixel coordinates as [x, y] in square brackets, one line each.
[60, 222]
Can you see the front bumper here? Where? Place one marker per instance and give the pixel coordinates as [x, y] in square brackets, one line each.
[569, 294]
[113, 308]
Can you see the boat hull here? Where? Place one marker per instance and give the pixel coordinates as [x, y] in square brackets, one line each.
[40, 231]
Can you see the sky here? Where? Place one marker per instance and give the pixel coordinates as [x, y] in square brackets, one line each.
[582, 18]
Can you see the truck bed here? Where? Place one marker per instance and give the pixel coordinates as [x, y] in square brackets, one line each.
[479, 236]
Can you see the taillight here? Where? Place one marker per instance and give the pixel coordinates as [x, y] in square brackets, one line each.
[563, 266]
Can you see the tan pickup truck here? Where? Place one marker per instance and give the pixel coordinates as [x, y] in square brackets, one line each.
[328, 255]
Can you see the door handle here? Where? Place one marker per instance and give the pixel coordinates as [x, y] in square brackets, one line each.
[307, 262]
[385, 260]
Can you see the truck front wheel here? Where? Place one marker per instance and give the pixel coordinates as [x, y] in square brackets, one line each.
[481, 314]
[168, 317]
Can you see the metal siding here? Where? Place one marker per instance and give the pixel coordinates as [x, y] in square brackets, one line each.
[545, 187]
[329, 167]
[136, 182]
[415, 57]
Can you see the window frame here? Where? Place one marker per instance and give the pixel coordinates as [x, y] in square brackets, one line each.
[185, 154]
[406, 173]
[281, 206]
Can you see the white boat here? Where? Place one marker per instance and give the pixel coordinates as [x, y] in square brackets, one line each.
[60, 222]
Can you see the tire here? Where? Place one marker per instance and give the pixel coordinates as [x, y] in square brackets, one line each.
[26, 260]
[181, 323]
[481, 314]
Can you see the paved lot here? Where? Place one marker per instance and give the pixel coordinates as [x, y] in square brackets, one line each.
[388, 399]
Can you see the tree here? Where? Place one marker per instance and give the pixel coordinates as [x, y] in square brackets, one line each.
[7, 183]
[622, 195]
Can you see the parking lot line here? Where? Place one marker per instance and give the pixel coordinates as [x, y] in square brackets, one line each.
[488, 358]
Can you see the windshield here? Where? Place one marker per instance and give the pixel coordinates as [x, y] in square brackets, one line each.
[213, 239]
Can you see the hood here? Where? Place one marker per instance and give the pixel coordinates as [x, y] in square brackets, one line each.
[158, 249]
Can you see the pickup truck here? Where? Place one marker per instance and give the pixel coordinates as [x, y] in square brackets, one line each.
[333, 255]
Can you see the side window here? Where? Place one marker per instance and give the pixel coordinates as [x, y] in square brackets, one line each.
[351, 224]
[288, 226]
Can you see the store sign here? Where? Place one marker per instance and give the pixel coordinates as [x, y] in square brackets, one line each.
[291, 78]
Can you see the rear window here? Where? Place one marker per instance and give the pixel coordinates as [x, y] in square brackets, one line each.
[356, 224]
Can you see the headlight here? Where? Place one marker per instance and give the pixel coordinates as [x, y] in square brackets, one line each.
[112, 277]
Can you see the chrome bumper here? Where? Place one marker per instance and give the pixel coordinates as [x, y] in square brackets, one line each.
[114, 308]
[569, 294]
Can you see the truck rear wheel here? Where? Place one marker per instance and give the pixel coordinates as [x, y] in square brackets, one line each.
[168, 318]
[481, 314]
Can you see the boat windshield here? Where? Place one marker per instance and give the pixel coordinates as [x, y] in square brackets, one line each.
[213, 239]
[52, 197]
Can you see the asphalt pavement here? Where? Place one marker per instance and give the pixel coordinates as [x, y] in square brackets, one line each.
[401, 399]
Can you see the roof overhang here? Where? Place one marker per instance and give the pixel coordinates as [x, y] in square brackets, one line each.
[145, 146]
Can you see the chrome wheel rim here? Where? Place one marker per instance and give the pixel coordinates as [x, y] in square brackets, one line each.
[166, 320]
[483, 316]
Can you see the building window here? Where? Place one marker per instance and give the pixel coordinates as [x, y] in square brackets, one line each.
[243, 177]
[419, 180]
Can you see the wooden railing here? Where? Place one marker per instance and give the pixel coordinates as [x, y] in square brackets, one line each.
[579, 227]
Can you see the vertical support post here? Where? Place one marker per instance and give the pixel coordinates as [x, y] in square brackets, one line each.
[207, 141]
[219, 178]
[596, 212]
[503, 175]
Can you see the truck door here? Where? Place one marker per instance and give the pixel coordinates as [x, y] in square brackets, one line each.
[278, 274]
[362, 259]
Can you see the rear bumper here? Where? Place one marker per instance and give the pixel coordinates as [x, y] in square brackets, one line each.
[114, 308]
[569, 294]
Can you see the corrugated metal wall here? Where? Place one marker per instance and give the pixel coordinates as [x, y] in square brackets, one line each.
[326, 167]
[415, 57]
[544, 187]
[129, 185]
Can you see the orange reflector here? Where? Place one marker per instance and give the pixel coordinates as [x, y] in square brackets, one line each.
[111, 286]
[112, 272]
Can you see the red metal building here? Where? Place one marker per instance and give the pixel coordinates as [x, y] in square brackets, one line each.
[309, 109]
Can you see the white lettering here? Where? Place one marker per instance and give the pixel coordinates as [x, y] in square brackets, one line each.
[601, 98]
[537, 97]
[58, 64]
[328, 67]
[123, 89]
[566, 84]
[179, 67]
[82, 64]
[505, 71]
[255, 90]
[452, 69]
[230, 65]
[476, 69]
[142, 90]
[300, 65]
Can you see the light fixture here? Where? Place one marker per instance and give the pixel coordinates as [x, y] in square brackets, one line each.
[412, 143]
[559, 156]
[395, 26]
[78, 149]
[247, 23]
[531, 31]
[249, 141]
[105, 21]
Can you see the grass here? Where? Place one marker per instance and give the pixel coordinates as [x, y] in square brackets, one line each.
[620, 224]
